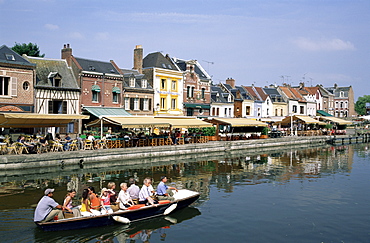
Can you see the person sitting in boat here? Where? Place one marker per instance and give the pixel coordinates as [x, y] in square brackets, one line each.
[105, 201]
[47, 208]
[113, 196]
[124, 198]
[144, 194]
[95, 204]
[85, 206]
[151, 189]
[67, 204]
[133, 190]
[165, 192]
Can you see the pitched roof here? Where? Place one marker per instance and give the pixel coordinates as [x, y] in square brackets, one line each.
[46, 68]
[217, 95]
[252, 92]
[198, 69]
[261, 93]
[96, 66]
[9, 56]
[157, 60]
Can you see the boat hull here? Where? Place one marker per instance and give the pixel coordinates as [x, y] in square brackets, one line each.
[104, 220]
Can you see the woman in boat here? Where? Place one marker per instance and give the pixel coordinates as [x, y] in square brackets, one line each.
[85, 206]
[67, 204]
[113, 196]
[105, 201]
[95, 204]
[124, 198]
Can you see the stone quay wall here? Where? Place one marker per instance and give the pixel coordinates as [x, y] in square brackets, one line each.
[143, 155]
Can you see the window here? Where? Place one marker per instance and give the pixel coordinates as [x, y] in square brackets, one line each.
[192, 92]
[4, 85]
[200, 111]
[95, 97]
[114, 97]
[163, 83]
[267, 112]
[341, 104]
[144, 83]
[247, 110]
[136, 104]
[301, 109]
[294, 109]
[127, 103]
[173, 85]
[132, 82]
[173, 104]
[57, 107]
[57, 82]
[10, 57]
[203, 93]
[145, 104]
[281, 112]
[163, 103]
[229, 112]
[217, 111]
[188, 91]
[276, 112]
[341, 94]
[26, 85]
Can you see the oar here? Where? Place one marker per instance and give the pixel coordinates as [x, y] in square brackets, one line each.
[170, 209]
[122, 220]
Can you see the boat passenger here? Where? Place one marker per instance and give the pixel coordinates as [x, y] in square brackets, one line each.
[165, 192]
[85, 206]
[124, 198]
[105, 201]
[133, 190]
[144, 194]
[95, 204]
[67, 204]
[113, 196]
[151, 189]
[47, 208]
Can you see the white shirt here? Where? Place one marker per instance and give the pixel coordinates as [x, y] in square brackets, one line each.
[123, 198]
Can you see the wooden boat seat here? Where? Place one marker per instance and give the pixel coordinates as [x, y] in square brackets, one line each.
[164, 201]
[136, 206]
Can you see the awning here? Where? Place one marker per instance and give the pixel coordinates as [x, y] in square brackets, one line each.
[238, 122]
[199, 106]
[335, 120]
[29, 120]
[322, 113]
[185, 122]
[116, 90]
[103, 111]
[130, 122]
[305, 119]
[95, 88]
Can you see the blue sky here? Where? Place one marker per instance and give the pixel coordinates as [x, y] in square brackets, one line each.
[254, 42]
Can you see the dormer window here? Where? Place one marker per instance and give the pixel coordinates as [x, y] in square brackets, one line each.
[91, 68]
[10, 57]
[132, 82]
[144, 83]
[56, 79]
[229, 98]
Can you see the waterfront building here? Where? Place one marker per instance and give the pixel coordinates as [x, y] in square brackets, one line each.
[197, 88]
[344, 104]
[279, 105]
[243, 102]
[297, 104]
[312, 97]
[327, 100]
[222, 102]
[56, 91]
[17, 77]
[101, 84]
[258, 101]
[167, 81]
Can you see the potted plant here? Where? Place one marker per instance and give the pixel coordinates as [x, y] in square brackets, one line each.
[264, 132]
[210, 132]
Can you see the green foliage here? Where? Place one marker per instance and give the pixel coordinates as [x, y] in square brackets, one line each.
[328, 126]
[360, 105]
[265, 131]
[206, 131]
[29, 49]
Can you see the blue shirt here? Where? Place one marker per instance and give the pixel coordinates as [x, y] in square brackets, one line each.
[44, 207]
[161, 188]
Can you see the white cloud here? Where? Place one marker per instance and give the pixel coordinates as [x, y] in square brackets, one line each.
[324, 44]
[102, 36]
[76, 35]
[51, 26]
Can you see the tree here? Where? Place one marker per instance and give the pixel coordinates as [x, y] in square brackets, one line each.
[360, 105]
[29, 49]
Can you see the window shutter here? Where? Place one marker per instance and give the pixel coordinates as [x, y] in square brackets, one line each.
[150, 104]
[141, 104]
[64, 108]
[50, 107]
[132, 105]
[14, 86]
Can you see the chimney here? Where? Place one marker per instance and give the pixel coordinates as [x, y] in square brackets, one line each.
[67, 54]
[231, 82]
[138, 58]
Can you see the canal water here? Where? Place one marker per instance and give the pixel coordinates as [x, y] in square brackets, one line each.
[316, 194]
